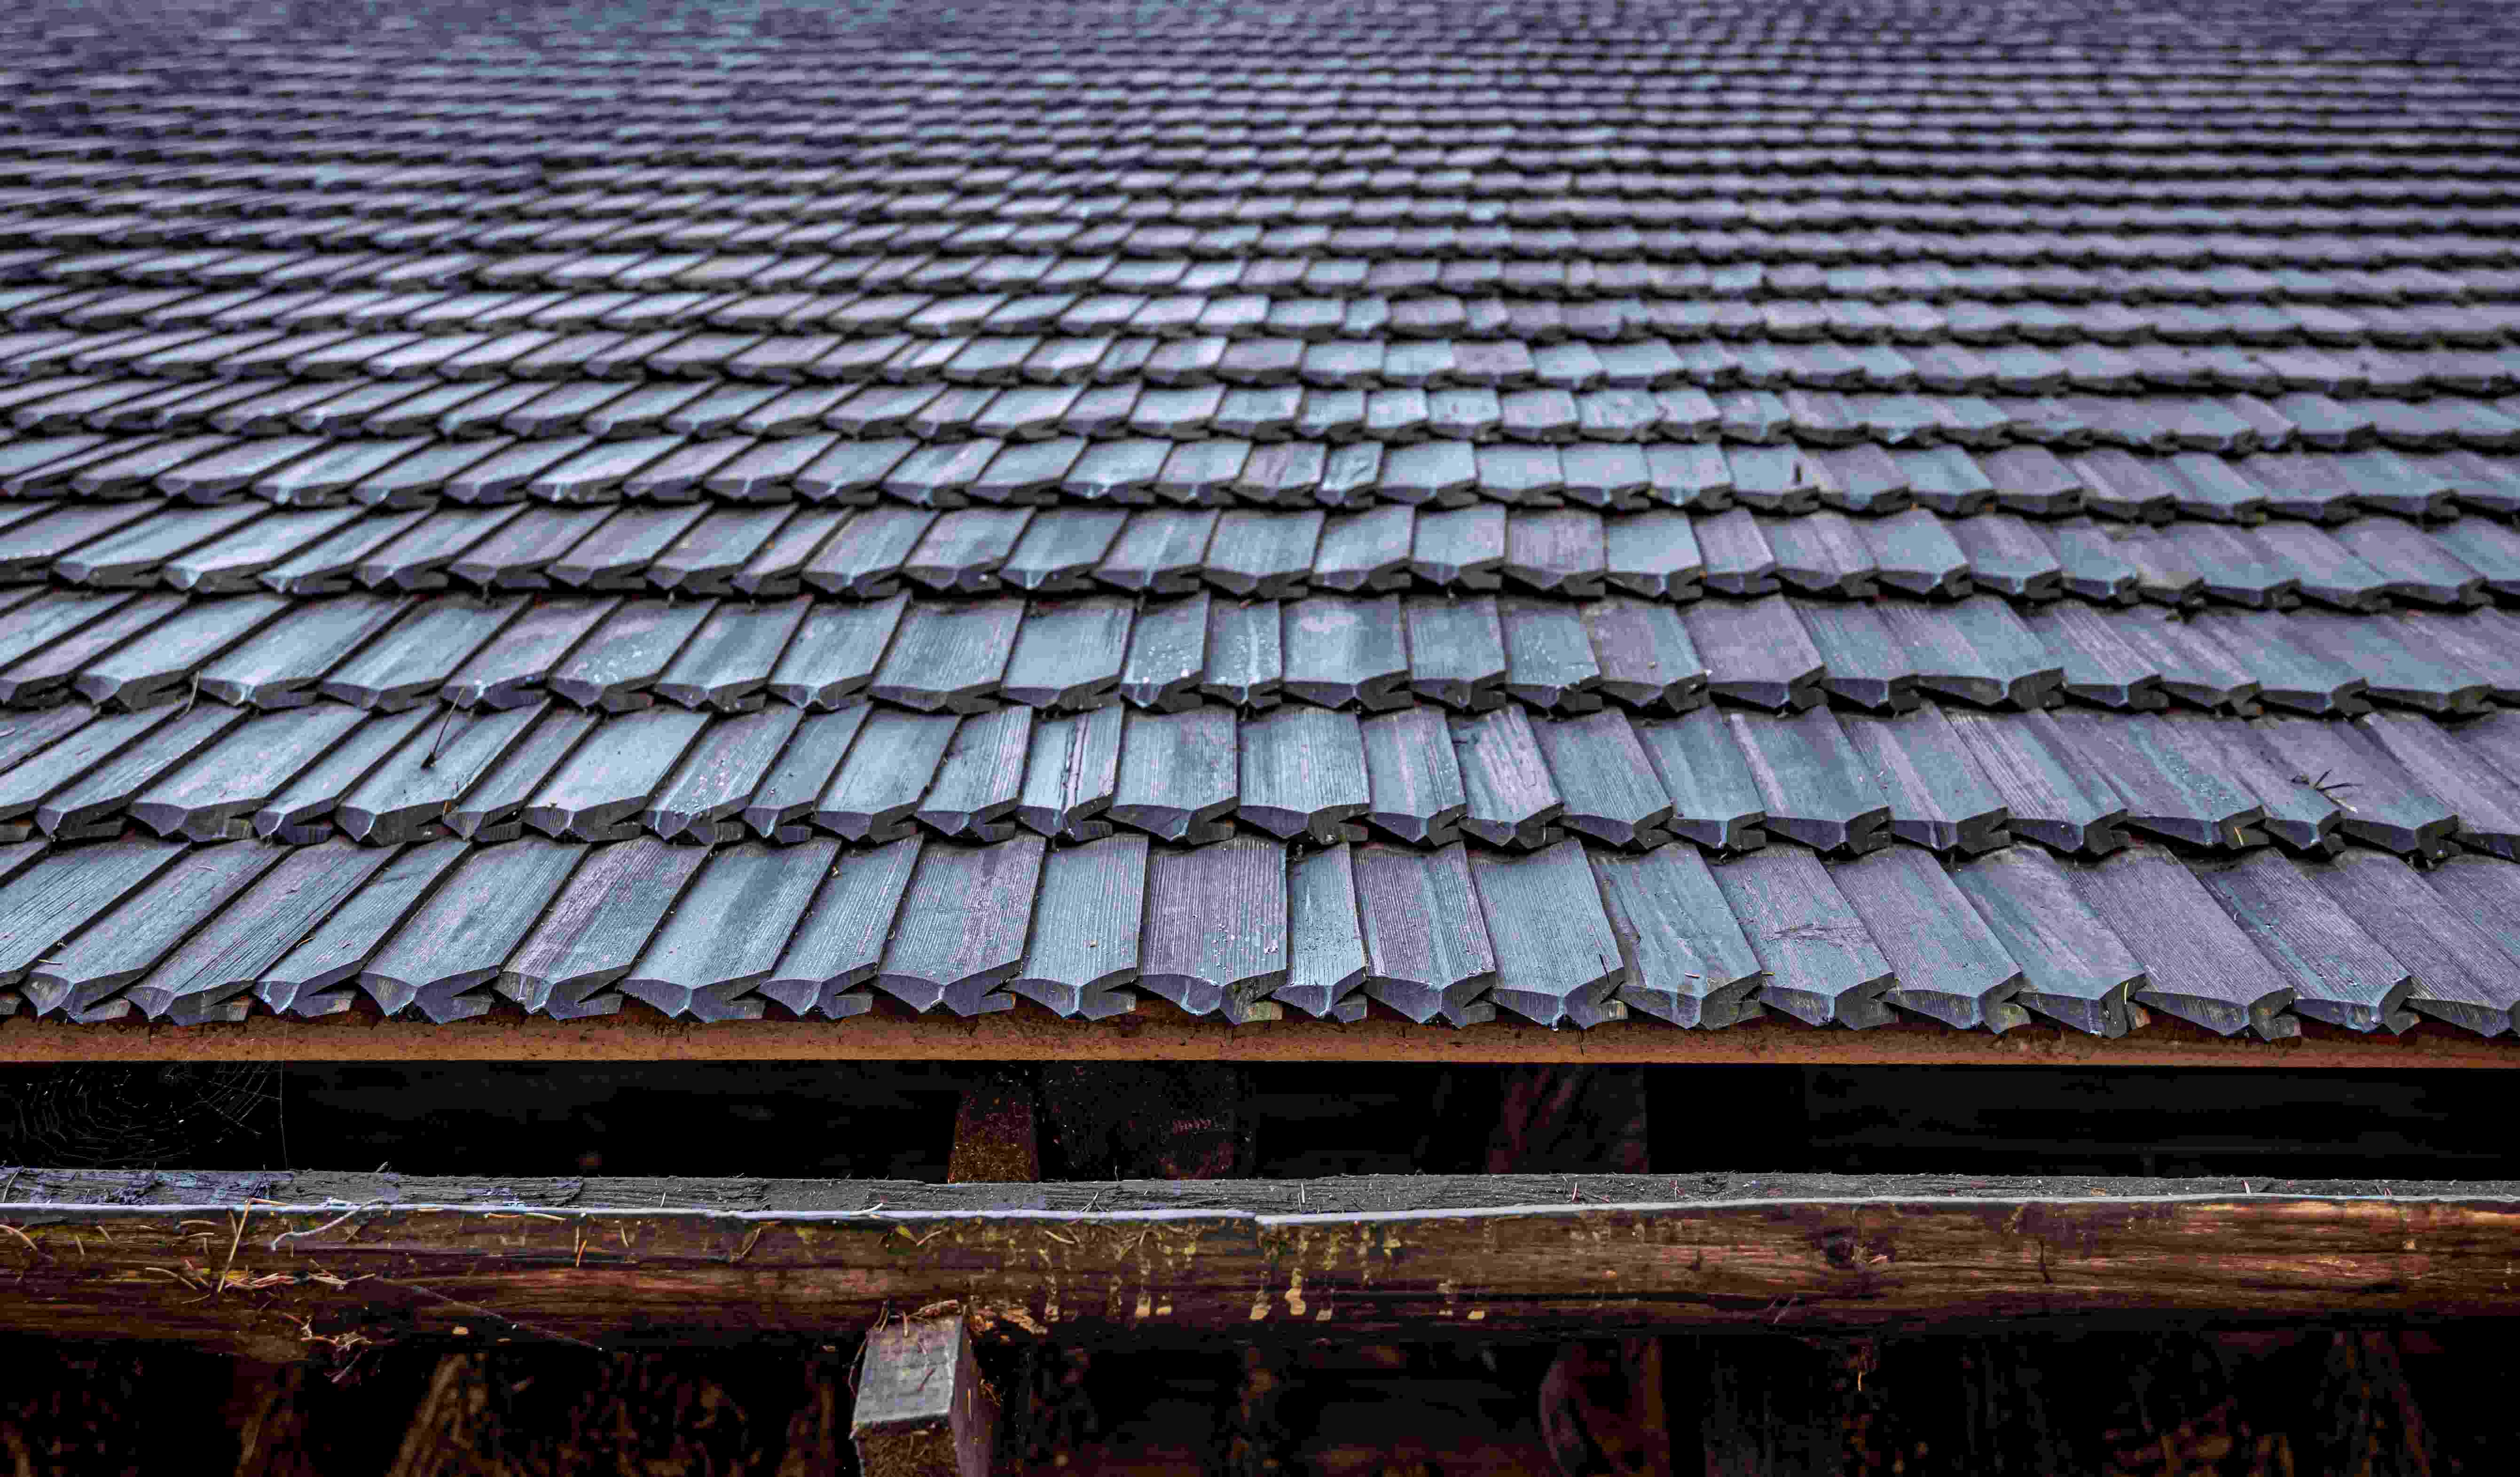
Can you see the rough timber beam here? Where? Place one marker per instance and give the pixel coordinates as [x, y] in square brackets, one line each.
[1158, 1031]
[294, 1265]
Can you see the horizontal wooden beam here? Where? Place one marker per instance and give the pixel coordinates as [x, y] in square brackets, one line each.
[281, 1265]
[1158, 1031]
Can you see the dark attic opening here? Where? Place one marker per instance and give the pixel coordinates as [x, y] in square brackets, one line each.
[1097, 1121]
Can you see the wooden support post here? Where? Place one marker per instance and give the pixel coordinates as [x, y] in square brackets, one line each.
[1600, 1403]
[1152, 1120]
[1772, 1407]
[812, 1448]
[1251, 1438]
[994, 1139]
[509, 1411]
[921, 1410]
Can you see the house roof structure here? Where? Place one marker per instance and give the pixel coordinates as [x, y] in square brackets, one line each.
[1694, 513]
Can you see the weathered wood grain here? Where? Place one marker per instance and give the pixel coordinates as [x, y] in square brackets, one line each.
[980, 778]
[1609, 786]
[2340, 973]
[1938, 798]
[2462, 973]
[1644, 654]
[949, 656]
[1715, 795]
[721, 770]
[1950, 964]
[960, 929]
[1215, 931]
[1821, 962]
[461, 937]
[1167, 653]
[312, 977]
[116, 948]
[1071, 773]
[2074, 969]
[207, 977]
[1756, 652]
[1180, 774]
[841, 942]
[1688, 961]
[1457, 652]
[2198, 964]
[46, 901]
[1868, 666]
[725, 930]
[2049, 795]
[1070, 655]
[1325, 956]
[1557, 961]
[595, 929]
[1425, 940]
[832, 658]
[730, 660]
[1814, 786]
[1342, 650]
[273, 1264]
[1084, 949]
[1510, 799]
[1303, 775]
[416, 786]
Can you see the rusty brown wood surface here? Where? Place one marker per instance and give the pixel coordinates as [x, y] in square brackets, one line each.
[277, 1264]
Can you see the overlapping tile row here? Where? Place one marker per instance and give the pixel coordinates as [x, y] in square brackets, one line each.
[1326, 322]
[615, 653]
[1944, 777]
[516, 162]
[1905, 77]
[1244, 929]
[1466, 201]
[1025, 386]
[2391, 306]
[770, 551]
[416, 446]
[1300, 221]
[563, 417]
[758, 106]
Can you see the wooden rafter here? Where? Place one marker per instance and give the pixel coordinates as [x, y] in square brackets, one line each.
[276, 1263]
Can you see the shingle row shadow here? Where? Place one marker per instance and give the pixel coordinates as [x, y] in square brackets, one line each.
[1949, 779]
[1071, 653]
[769, 552]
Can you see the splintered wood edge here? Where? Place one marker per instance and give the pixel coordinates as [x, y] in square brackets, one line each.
[1160, 1031]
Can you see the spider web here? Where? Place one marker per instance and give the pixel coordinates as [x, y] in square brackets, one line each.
[204, 1115]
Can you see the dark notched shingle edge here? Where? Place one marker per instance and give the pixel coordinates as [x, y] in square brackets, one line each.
[1569, 935]
[1941, 777]
[1070, 652]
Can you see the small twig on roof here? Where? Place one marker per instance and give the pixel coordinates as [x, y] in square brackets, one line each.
[430, 760]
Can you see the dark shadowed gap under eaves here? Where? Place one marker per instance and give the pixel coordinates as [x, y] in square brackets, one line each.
[895, 1120]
